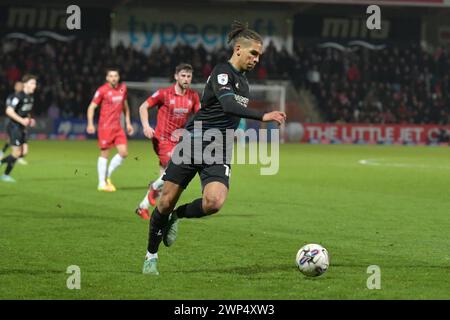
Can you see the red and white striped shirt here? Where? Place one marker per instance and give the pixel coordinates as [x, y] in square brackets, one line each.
[111, 101]
[173, 110]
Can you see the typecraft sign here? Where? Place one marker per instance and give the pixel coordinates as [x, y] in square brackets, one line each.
[145, 29]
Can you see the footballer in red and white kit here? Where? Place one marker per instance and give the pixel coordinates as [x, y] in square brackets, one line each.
[112, 99]
[175, 105]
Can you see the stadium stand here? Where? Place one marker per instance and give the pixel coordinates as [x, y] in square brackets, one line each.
[394, 85]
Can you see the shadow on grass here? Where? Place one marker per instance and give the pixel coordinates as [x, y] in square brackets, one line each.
[50, 179]
[243, 270]
[234, 215]
[72, 216]
[9, 195]
[29, 272]
[250, 270]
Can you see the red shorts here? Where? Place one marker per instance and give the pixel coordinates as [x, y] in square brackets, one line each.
[164, 150]
[108, 138]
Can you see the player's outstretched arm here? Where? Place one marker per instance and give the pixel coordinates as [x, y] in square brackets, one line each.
[143, 115]
[278, 116]
[230, 106]
[126, 111]
[90, 118]
[10, 112]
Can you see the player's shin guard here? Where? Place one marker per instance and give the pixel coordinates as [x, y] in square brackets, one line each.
[158, 222]
[191, 210]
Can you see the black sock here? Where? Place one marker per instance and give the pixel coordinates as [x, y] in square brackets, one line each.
[157, 222]
[10, 160]
[191, 210]
[5, 147]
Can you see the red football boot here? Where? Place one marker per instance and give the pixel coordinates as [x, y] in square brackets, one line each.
[153, 195]
[143, 213]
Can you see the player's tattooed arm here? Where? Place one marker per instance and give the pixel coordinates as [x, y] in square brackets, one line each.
[10, 112]
[90, 118]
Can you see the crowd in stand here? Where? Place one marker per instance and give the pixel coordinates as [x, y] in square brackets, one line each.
[392, 85]
[358, 85]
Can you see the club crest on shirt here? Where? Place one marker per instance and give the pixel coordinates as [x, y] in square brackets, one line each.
[222, 78]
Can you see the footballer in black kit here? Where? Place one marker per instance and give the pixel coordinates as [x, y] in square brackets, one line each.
[18, 87]
[224, 102]
[22, 104]
[18, 110]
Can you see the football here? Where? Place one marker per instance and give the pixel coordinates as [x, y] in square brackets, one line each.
[312, 260]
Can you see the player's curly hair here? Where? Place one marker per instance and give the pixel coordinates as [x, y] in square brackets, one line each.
[241, 30]
[28, 77]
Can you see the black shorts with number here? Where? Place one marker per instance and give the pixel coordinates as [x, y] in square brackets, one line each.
[17, 134]
[182, 174]
[181, 170]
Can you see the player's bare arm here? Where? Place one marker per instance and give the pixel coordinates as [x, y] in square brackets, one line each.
[126, 111]
[14, 116]
[277, 116]
[90, 118]
[143, 115]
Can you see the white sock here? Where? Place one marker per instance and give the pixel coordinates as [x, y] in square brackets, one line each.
[102, 164]
[144, 203]
[116, 161]
[151, 255]
[158, 183]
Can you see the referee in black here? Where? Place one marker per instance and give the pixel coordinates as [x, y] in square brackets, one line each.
[18, 109]
[223, 104]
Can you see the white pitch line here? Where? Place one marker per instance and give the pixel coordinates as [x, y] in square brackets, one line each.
[372, 162]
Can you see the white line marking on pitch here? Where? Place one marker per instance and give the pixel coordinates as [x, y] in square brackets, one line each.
[371, 162]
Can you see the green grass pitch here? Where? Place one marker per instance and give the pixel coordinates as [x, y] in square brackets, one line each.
[393, 212]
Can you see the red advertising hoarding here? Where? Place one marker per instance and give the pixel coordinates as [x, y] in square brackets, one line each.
[366, 133]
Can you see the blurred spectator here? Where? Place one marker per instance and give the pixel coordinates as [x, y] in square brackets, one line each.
[353, 73]
[393, 85]
[13, 74]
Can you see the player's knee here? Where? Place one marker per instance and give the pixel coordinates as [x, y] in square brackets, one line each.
[165, 205]
[123, 154]
[212, 204]
[16, 153]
